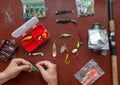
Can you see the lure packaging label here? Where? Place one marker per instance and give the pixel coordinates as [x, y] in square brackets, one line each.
[89, 73]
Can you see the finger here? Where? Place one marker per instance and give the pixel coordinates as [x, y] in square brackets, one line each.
[23, 67]
[26, 62]
[46, 63]
[42, 70]
[22, 61]
[28, 70]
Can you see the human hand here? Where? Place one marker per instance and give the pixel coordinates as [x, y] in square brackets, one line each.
[15, 67]
[49, 74]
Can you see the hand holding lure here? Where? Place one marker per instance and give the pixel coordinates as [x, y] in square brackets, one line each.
[34, 68]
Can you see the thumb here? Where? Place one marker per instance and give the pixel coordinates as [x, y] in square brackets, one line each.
[24, 67]
[42, 70]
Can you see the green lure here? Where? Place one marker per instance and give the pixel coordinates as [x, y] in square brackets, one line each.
[34, 68]
[78, 44]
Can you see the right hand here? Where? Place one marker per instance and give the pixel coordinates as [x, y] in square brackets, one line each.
[49, 74]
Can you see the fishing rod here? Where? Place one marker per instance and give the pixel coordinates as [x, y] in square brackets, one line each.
[113, 44]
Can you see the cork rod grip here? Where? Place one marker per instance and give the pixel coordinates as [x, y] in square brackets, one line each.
[114, 70]
[112, 26]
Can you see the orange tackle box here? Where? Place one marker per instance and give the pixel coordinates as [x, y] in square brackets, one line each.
[32, 35]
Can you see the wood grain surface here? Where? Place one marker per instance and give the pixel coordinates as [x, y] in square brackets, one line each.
[11, 18]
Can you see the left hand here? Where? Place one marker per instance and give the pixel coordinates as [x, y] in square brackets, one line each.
[15, 67]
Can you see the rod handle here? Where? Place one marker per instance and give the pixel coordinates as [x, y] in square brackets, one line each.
[112, 25]
[114, 70]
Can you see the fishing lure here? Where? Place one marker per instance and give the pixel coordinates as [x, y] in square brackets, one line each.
[34, 68]
[80, 38]
[63, 12]
[67, 60]
[44, 34]
[27, 38]
[65, 21]
[76, 49]
[78, 44]
[63, 48]
[89, 76]
[65, 35]
[35, 54]
[54, 50]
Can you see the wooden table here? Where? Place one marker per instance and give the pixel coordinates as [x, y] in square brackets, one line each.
[11, 18]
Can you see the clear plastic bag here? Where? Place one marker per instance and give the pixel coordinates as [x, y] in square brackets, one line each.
[89, 73]
[33, 8]
[85, 7]
[98, 39]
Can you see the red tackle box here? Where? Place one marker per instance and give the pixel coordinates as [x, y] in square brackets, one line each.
[32, 35]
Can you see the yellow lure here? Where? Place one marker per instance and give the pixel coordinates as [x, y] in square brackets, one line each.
[27, 38]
